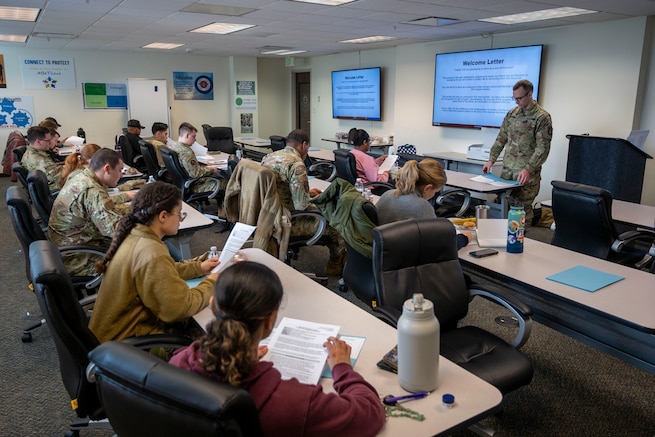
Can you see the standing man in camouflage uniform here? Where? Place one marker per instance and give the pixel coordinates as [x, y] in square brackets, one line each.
[36, 156]
[526, 133]
[293, 189]
[84, 213]
[188, 160]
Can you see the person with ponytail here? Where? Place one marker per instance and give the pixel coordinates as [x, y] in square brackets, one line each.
[143, 289]
[77, 161]
[367, 166]
[246, 300]
[416, 183]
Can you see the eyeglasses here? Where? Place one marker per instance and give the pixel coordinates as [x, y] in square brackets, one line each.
[518, 99]
[182, 215]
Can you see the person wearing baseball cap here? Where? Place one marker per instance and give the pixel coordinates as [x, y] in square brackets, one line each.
[133, 137]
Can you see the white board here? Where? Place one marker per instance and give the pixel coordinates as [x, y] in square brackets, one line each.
[147, 101]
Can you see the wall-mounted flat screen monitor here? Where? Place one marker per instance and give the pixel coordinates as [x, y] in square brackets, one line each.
[357, 94]
[474, 89]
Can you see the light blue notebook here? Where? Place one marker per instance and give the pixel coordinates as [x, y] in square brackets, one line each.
[585, 278]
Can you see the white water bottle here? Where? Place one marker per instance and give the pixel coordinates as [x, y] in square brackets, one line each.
[418, 345]
[213, 252]
[359, 185]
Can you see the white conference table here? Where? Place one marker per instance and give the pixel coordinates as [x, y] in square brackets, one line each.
[340, 141]
[253, 141]
[618, 319]
[629, 213]
[322, 154]
[463, 180]
[308, 300]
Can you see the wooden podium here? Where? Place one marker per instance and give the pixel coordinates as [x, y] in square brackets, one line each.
[610, 163]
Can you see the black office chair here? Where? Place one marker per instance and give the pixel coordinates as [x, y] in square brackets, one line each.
[420, 256]
[152, 164]
[184, 182]
[19, 152]
[278, 142]
[346, 166]
[21, 173]
[583, 223]
[42, 197]
[325, 170]
[143, 395]
[27, 231]
[68, 324]
[130, 155]
[251, 198]
[220, 139]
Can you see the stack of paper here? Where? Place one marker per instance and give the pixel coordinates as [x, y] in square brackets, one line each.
[494, 180]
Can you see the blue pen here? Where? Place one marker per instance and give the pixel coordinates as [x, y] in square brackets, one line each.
[392, 400]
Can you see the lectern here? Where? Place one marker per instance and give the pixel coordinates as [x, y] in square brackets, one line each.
[610, 163]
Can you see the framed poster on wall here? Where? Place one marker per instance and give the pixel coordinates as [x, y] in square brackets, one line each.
[104, 95]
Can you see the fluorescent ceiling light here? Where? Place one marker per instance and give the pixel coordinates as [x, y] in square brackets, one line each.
[13, 38]
[233, 11]
[326, 2]
[546, 14]
[222, 28]
[18, 14]
[280, 51]
[368, 39]
[162, 45]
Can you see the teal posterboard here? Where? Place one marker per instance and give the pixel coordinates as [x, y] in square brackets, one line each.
[105, 95]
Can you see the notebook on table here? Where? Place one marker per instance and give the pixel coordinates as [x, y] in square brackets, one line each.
[492, 232]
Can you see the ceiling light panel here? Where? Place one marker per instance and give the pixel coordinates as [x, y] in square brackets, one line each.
[326, 2]
[222, 28]
[18, 14]
[162, 46]
[546, 14]
[368, 39]
[13, 38]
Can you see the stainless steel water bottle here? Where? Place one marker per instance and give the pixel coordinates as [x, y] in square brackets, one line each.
[418, 345]
[515, 229]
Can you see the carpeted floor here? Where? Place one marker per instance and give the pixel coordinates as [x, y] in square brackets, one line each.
[576, 390]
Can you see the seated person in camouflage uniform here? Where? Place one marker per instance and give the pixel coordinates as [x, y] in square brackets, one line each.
[36, 156]
[293, 189]
[84, 213]
[159, 139]
[190, 163]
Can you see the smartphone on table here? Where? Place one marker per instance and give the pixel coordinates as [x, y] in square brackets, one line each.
[483, 252]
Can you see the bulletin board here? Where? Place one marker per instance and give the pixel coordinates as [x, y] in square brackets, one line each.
[98, 95]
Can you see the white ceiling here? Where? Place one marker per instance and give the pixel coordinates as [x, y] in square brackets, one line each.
[128, 25]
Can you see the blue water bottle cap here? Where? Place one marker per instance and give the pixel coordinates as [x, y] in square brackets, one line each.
[448, 400]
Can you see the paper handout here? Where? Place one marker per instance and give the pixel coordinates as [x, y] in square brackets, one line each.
[494, 180]
[296, 349]
[239, 235]
[585, 278]
[389, 161]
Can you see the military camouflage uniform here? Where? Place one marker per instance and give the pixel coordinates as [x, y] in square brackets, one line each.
[35, 159]
[84, 213]
[293, 189]
[195, 170]
[526, 135]
[157, 144]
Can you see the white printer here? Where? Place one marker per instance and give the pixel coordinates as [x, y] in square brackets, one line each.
[480, 152]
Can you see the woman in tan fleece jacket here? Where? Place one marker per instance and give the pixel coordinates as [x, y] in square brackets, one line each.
[143, 290]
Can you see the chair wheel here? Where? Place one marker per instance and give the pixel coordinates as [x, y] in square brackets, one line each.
[343, 288]
[72, 433]
[26, 337]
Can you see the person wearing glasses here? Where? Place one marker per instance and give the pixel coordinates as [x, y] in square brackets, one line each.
[525, 134]
[36, 156]
[84, 213]
[143, 290]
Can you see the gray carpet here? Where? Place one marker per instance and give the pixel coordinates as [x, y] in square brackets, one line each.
[576, 390]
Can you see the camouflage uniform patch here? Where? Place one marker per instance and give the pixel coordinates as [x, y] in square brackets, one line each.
[35, 159]
[293, 189]
[526, 136]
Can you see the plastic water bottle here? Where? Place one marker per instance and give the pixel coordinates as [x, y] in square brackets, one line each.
[418, 345]
[515, 229]
[359, 185]
[213, 252]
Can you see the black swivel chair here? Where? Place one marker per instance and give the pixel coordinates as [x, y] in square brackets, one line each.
[151, 162]
[278, 142]
[346, 166]
[42, 197]
[21, 173]
[143, 395]
[27, 231]
[583, 223]
[420, 256]
[131, 156]
[73, 340]
[220, 139]
[19, 152]
[184, 182]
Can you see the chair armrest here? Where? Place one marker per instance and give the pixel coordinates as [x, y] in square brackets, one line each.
[445, 194]
[322, 224]
[631, 236]
[94, 250]
[161, 174]
[389, 316]
[376, 184]
[519, 310]
[316, 167]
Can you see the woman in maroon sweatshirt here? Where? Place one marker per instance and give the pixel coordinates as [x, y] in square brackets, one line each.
[245, 302]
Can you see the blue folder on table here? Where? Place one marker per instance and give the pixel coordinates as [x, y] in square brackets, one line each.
[585, 278]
